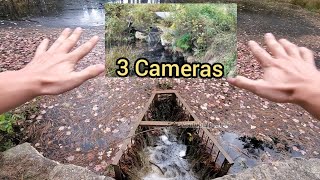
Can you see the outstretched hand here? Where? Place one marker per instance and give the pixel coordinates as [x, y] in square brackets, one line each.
[52, 71]
[288, 70]
[290, 74]
[55, 66]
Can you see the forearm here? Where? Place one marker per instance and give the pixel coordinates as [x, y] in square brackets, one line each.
[16, 88]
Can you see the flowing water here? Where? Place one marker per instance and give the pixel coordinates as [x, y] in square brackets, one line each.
[167, 159]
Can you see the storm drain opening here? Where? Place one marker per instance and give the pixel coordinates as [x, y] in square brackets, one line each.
[167, 107]
[170, 145]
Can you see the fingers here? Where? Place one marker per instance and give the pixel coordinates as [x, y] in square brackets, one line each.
[245, 83]
[64, 35]
[71, 41]
[291, 49]
[84, 49]
[262, 55]
[274, 46]
[90, 72]
[42, 47]
[307, 55]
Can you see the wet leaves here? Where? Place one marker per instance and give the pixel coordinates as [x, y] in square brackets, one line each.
[99, 109]
[295, 120]
[115, 131]
[70, 158]
[204, 106]
[61, 128]
[246, 113]
[95, 108]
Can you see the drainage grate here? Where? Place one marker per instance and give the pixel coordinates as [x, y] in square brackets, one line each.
[166, 109]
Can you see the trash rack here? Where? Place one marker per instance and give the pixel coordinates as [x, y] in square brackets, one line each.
[208, 157]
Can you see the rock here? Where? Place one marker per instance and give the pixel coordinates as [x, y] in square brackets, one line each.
[191, 59]
[212, 61]
[72, 172]
[166, 36]
[163, 15]
[25, 162]
[140, 35]
[165, 41]
[295, 168]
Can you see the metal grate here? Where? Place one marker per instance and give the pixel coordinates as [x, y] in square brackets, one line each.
[209, 144]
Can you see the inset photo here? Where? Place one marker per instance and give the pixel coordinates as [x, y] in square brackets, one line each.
[171, 40]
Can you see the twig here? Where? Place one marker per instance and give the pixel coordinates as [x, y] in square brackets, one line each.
[157, 167]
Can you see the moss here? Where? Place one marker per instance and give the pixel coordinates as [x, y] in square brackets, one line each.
[184, 42]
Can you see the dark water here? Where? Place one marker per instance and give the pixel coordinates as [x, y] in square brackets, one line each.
[72, 13]
[248, 152]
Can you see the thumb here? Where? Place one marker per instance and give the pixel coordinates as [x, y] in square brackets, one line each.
[245, 83]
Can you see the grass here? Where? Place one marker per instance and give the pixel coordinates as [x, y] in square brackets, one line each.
[118, 17]
[114, 54]
[11, 122]
[195, 29]
[223, 50]
[312, 5]
[7, 120]
[207, 31]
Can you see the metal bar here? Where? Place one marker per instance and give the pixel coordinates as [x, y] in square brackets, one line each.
[217, 157]
[224, 168]
[211, 148]
[168, 123]
[117, 171]
[165, 92]
[225, 154]
[202, 135]
[206, 142]
[132, 132]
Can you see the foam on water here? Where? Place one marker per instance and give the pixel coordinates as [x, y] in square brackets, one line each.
[167, 160]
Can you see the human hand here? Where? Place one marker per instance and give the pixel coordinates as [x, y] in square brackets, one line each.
[290, 74]
[54, 67]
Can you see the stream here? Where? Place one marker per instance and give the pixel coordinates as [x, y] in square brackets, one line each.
[167, 159]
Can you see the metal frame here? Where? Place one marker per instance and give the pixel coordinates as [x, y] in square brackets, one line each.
[143, 121]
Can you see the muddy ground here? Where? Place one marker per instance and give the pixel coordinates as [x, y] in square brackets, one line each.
[86, 125]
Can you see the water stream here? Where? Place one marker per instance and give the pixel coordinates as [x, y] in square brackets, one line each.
[167, 159]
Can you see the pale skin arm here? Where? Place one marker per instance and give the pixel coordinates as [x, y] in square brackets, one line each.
[290, 75]
[52, 71]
